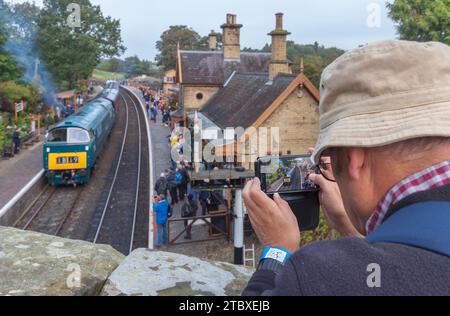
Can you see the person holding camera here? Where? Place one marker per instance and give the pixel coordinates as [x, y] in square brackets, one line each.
[384, 158]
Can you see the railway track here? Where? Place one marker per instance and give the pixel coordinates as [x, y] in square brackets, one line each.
[119, 213]
[125, 208]
[50, 210]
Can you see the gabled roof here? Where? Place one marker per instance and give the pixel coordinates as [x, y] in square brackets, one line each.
[66, 95]
[210, 68]
[249, 99]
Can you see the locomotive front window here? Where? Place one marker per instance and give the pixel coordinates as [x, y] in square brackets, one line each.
[69, 135]
[78, 136]
[57, 136]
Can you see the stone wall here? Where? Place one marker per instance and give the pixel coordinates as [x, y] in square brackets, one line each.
[33, 264]
[299, 128]
[40, 265]
[149, 273]
[298, 120]
[191, 103]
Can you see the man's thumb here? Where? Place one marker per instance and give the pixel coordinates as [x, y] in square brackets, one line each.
[280, 201]
[318, 180]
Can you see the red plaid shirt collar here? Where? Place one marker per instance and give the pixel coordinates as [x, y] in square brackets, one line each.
[428, 179]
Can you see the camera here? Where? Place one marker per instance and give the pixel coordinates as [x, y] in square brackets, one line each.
[289, 177]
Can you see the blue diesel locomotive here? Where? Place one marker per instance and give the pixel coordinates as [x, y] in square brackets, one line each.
[73, 146]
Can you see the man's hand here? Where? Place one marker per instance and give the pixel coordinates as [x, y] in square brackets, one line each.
[331, 201]
[333, 207]
[273, 220]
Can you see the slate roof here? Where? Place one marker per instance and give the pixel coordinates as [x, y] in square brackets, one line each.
[210, 68]
[244, 99]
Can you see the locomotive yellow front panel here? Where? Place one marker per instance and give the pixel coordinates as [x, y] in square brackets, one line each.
[67, 161]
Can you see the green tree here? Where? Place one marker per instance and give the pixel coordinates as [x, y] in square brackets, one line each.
[9, 69]
[422, 20]
[167, 45]
[132, 66]
[23, 25]
[112, 65]
[71, 54]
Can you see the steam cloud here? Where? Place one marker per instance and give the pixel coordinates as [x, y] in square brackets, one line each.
[25, 53]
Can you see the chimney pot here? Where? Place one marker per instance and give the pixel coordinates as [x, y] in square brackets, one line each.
[231, 38]
[230, 18]
[212, 41]
[279, 21]
[280, 62]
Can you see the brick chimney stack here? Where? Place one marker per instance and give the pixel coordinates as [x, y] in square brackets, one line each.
[212, 41]
[231, 38]
[279, 62]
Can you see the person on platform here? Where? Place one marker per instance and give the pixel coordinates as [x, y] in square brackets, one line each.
[172, 187]
[161, 186]
[188, 210]
[161, 208]
[16, 141]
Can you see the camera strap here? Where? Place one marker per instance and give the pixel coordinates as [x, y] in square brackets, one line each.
[423, 225]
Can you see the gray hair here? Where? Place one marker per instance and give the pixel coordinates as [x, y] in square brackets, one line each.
[409, 149]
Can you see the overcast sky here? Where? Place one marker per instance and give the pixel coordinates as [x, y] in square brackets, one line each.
[341, 23]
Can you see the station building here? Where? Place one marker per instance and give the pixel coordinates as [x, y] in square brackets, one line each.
[255, 91]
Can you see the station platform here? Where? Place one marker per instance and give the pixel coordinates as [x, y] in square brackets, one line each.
[16, 172]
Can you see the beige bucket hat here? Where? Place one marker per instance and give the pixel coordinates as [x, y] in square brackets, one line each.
[385, 93]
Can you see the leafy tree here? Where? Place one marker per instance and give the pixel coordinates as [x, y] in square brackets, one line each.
[23, 26]
[71, 54]
[112, 65]
[167, 45]
[9, 69]
[422, 20]
[132, 66]
[15, 92]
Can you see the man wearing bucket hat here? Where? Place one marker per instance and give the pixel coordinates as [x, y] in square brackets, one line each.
[384, 152]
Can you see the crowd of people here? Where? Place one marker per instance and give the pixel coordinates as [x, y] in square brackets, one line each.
[174, 183]
[173, 189]
[156, 105]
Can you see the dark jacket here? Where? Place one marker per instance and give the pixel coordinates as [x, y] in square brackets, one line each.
[171, 181]
[189, 209]
[340, 267]
[16, 137]
[161, 186]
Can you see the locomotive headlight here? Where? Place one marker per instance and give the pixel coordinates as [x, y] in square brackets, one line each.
[48, 150]
[86, 148]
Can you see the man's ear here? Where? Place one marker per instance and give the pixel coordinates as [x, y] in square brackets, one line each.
[356, 158]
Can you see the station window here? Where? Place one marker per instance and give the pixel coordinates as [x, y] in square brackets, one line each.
[199, 96]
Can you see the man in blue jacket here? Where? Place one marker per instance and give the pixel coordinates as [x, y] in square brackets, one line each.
[161, 208]
[384, 152]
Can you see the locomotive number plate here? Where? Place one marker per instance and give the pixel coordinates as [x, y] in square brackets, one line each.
[67, 161]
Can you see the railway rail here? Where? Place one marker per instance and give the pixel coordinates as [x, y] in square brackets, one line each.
[50, 210]
[126, 196]
[119, 214]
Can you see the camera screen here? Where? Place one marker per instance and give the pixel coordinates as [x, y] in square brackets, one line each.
[287, 174]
